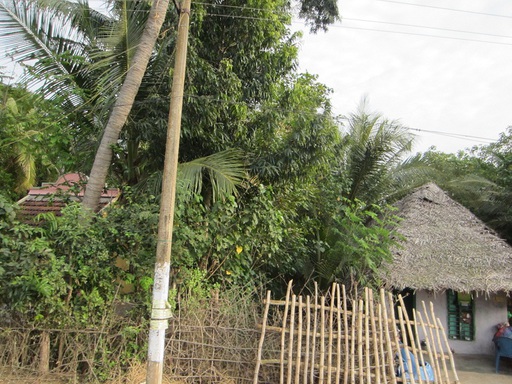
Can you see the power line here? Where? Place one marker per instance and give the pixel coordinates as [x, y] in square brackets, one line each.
[234, 7]
[287, 110]
[360, 20]
[427, 27]
[422, 34]
[480, 139]
[372, 29]
[351, 19]
[455, 135]
[242, 17]
[381, 30]
[447, 9]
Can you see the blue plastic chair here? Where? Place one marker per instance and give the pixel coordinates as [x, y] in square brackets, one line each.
[503, 349]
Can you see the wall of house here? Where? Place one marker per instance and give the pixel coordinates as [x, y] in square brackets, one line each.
[488, 312]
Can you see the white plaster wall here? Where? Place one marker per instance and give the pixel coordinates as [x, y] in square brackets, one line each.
[488, 312]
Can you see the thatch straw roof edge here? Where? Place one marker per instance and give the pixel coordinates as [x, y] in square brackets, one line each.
[446, 247]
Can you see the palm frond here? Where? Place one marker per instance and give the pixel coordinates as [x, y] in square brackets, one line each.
[43, 40]
[25, 161]
[373, 148]
[115, 46]
[225, 172]
[411, 173]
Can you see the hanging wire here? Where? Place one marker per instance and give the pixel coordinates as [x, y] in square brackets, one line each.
[446, 9]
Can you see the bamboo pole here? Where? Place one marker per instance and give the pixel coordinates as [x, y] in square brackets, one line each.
[315, 327]
[417, 338]
[411, 338]
[299, 342]
[283, 332]
[345, 325]
[381, 343]
[360, 341]
[449, 351]
[353, 343]
[308, 336]
[44, 353]
[367, 334]
[338, 328]
[387, 332]
[427, 341]
[262, 338]
[405, 348]
[331, 323]
[439, 378]
[395, 334]
[322, 340]
[375, 337]
[60, 352]
[290, 342]
[74, 365]
[438, 337]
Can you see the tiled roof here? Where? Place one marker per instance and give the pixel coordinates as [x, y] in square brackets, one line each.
[52, 197]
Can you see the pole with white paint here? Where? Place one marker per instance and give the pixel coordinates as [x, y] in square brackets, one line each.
[160, 312]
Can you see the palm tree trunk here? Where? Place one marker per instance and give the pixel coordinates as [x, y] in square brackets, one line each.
[123, 104]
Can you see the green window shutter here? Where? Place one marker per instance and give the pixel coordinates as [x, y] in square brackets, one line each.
[461, 319]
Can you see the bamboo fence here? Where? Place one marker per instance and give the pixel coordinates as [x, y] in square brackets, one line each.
[334, 339]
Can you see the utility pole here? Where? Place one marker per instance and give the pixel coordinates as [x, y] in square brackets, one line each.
[160, 312]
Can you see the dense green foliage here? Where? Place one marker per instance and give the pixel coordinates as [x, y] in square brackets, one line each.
[358, 240]
[240, 58]
[35, 140]
[60, 276]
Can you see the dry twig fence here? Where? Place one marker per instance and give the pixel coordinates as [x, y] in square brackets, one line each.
[331, 339]
[210, 340]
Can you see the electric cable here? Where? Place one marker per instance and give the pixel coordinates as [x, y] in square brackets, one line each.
[447, 9]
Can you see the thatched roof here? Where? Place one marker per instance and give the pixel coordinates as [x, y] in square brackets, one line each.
[447, 247]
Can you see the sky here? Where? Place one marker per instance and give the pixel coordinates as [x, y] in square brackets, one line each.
[431, 68]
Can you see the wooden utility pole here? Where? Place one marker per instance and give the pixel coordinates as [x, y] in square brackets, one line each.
[161, 312]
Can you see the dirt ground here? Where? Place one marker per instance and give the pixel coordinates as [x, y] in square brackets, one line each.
[471, 369]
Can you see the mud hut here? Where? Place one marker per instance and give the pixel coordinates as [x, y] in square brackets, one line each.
[451, 258]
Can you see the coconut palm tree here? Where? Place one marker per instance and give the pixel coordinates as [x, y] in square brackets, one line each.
[374, 147]
[74, 53]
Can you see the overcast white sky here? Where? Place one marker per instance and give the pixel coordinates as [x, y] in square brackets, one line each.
[449, 83]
